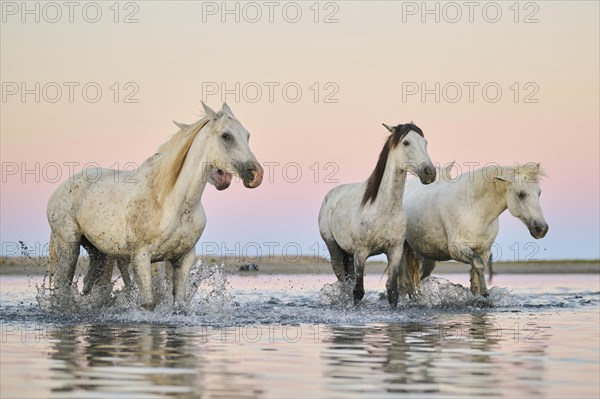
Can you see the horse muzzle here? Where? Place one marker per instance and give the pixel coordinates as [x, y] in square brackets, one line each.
[538, 230]
[221, 179]
[428, 174]
[252, 174]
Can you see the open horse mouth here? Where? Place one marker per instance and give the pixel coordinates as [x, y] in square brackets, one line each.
[221, 179]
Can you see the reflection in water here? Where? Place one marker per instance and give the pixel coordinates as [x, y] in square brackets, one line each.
[300, 348]
[147, 360]
[473, 356]
[466, 354]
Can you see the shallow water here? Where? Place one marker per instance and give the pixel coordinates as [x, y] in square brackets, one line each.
[290, 336]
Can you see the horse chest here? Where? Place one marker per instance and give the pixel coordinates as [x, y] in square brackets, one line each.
[185, 233]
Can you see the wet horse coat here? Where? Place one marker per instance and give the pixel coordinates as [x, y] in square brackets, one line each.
[458, 218]
[157, 215]
[360, 220]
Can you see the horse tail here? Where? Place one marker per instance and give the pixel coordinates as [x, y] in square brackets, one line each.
[53, 258]
[491, 268]
[413, 275]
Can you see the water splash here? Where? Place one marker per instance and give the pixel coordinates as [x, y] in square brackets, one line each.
[68, 301]
[338, 294]
[437, 292]
[207, 292]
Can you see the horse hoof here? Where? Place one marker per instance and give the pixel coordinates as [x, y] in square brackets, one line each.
[148, 306]
[180, 309]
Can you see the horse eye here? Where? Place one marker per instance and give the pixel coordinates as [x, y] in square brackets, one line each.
[405, 142]
[226, 136]
[521, 195]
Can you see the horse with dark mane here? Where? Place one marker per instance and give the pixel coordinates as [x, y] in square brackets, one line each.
[360, 220]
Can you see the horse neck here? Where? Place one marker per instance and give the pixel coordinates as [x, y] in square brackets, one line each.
[490, 197]
[187, 190]
[391, 190]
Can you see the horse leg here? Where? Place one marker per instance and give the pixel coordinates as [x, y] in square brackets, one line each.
[359, 271]
[490, 265]
[181, 271]
[140, 262]
[465, 254]
[97, 267]
[337, 260]
[123, 265]
[478, 285]
[67, 255]
[395, 269]
[349, 265]
[428, 266]
[410, 271]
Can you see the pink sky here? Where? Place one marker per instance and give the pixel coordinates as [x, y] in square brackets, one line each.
[369, 57]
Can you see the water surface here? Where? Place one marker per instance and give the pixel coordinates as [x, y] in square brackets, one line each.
[260, 336]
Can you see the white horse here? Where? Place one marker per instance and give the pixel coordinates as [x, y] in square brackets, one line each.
[155, 215]
[359, 220]
[458, 218]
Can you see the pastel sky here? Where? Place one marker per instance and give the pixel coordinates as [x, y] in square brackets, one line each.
[336, 71]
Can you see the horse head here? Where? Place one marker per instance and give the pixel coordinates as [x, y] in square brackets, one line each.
[409, 146]
[230, 153]
[523, 197]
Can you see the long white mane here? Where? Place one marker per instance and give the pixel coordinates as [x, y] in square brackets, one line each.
[167, 167]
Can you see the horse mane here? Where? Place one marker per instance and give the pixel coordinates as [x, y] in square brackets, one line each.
[167, 167]
[374, 181]
[482, 177]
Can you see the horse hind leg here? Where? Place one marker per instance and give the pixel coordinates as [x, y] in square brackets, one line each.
[427, 267]
[67, 254]
[123, 265]
[348, 260]
[359, 269]
[338, 261]
[97, 268]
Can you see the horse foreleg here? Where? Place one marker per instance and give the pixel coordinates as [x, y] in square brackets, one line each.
[478, 285]
[463, 253]
[396, 268]
[181, 271]
[359, 273]
[140, 263]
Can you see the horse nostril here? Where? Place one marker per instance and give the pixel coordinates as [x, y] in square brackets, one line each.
[429, 171]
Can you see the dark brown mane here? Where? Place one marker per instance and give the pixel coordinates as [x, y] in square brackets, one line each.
[375, 179]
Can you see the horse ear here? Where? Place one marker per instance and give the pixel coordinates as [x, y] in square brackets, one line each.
[391, 129]
[208, 111]
[227, 110]
[182, 126]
